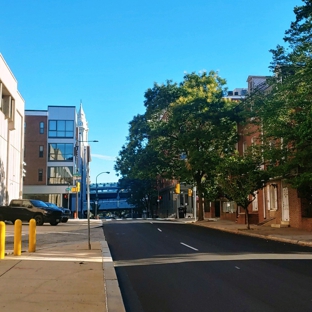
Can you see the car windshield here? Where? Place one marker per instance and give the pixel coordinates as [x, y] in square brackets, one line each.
[38, 203]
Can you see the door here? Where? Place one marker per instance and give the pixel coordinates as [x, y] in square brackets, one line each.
[285, 204]
[217, 209]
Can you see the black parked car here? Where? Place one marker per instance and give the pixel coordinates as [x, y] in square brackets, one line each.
[66, 214]
[26, 209]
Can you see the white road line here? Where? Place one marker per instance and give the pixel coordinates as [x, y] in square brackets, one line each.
[159, 229]
[189, 246]
[237, 268]
[151, 222]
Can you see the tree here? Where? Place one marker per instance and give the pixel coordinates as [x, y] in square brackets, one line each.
[286, 111]
[241, 177]
[143, 193]
[182, 135]
[192, 132]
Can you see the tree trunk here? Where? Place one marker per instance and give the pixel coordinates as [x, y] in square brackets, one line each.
[247, 218]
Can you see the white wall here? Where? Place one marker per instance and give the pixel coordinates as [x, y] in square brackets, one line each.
[11, 140]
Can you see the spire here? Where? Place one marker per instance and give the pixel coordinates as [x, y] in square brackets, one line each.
[82, 121]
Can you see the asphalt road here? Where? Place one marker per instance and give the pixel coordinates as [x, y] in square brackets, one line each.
[168, 267]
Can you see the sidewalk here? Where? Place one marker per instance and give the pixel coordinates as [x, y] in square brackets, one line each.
[286, 235]
[62, 278]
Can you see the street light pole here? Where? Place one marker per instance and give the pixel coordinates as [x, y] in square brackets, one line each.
[88, 206]
[97, 193]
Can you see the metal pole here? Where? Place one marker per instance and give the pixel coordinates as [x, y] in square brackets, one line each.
[88, 206]
[96, 197]
[194, 203]
[97, 194]
[68, 196]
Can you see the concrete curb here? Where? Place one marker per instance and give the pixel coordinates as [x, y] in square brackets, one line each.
[114, 302]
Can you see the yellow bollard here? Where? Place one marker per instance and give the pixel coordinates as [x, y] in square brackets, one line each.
[32, 236]
[2, 239]
[17, 237]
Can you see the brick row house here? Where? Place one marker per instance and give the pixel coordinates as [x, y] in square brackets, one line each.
[276, 205]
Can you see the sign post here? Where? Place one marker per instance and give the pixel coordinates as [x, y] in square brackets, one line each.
[76, 189]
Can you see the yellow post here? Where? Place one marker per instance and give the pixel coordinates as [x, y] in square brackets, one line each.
[17, 237]
[32, 236]
[2, 239]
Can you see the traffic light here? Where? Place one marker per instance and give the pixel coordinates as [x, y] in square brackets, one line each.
[78, 187]
[177, 188]
[189, 192]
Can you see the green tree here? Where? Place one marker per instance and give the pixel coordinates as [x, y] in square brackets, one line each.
[242, 176]
[192, 132]
[285, 112]
[138, 165]
[143, 194]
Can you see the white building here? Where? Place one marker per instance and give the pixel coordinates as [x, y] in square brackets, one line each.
[11, 136]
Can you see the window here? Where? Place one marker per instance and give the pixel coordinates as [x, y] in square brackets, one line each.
[61, 128]
[60, 175]
[40, 175]
[40, 151]
[229, 207]
[41, 127]
[255, 203]
[61, 152]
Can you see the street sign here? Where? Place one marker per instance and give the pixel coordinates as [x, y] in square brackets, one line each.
[68, 189]
[77, 175]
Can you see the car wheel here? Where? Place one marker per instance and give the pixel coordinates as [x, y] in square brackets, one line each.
[13, 221]
[54, 223]
[39, 219]
[1, 217]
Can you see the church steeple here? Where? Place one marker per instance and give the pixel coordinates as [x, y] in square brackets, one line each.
[82, 121]
[82, 124]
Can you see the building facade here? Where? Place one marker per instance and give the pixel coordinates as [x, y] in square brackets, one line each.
[11, 136]
[54, 157]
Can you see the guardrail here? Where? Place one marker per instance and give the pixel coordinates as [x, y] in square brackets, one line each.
[18, 237]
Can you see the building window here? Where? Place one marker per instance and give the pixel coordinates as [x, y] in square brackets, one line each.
[40, 151]
[61, 152]
[229, 207]
[255, 203]
[40, 175]
[60, 175]
[61, 128]
[41, 127]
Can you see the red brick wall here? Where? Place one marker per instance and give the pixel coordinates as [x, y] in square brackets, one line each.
[33, 139]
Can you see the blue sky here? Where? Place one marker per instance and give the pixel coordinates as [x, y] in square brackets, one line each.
[108, 53]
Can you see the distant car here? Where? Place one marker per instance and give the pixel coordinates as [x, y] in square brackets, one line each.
[66, 214]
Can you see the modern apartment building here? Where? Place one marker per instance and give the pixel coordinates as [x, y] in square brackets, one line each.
[55, 154]
[11, 136]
